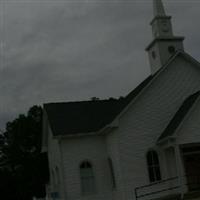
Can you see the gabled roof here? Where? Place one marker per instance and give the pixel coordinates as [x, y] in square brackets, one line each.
[85, 117]
[179, 116]
[72, 118]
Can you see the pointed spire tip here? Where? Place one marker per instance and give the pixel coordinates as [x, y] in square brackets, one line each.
[158, 8]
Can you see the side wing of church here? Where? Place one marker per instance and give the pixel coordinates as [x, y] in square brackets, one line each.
[141, 147]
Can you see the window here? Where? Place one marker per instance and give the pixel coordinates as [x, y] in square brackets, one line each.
[87, 178]
[153, 166]
[171, 49]
[153, 54]
[165, 27]
[112, 173]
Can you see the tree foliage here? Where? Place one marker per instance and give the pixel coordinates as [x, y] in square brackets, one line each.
[24, 168]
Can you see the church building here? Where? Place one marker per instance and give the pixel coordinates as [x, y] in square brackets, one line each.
[143, 146]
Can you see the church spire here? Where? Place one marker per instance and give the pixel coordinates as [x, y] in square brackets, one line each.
[158, 8]
[161, 23]
[164, 44]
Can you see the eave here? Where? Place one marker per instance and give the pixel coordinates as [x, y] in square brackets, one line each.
[164, 39]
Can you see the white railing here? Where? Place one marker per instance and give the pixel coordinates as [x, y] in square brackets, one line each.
[159, 189]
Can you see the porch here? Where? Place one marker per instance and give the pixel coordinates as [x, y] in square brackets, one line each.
[182, 178]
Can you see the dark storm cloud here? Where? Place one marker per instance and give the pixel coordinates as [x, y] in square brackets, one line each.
[74, 50]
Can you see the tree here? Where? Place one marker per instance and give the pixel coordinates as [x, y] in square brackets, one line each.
[22, 152]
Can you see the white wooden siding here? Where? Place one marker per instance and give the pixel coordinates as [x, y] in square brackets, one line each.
[93, 149]
[54, 159]
[147, 117]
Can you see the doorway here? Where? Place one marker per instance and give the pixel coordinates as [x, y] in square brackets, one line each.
[192, 170]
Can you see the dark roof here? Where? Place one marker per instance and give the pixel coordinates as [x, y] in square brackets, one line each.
[179, 116]
[87, 116]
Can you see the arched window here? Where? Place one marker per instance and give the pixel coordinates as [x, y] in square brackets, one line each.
[153, 166]
[87, 178]
[112, 173]
[171, 49]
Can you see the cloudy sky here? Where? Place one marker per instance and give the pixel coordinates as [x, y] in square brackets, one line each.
[68, 50]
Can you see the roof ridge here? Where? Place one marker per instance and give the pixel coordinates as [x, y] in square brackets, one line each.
[84, 101]
[90, 116]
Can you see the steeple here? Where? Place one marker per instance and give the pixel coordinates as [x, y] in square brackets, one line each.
[158, 8]
[164, 44]
[161, 23]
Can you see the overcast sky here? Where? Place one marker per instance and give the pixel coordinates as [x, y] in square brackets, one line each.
[73, 50]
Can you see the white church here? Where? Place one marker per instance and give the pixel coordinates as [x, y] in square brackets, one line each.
[144, 146]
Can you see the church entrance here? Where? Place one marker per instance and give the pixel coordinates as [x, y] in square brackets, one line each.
[192, 169]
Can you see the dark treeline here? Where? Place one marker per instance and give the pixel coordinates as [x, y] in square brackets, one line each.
[23, 168]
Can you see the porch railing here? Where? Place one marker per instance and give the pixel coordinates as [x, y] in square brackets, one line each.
[156, 188]
[167, 187]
